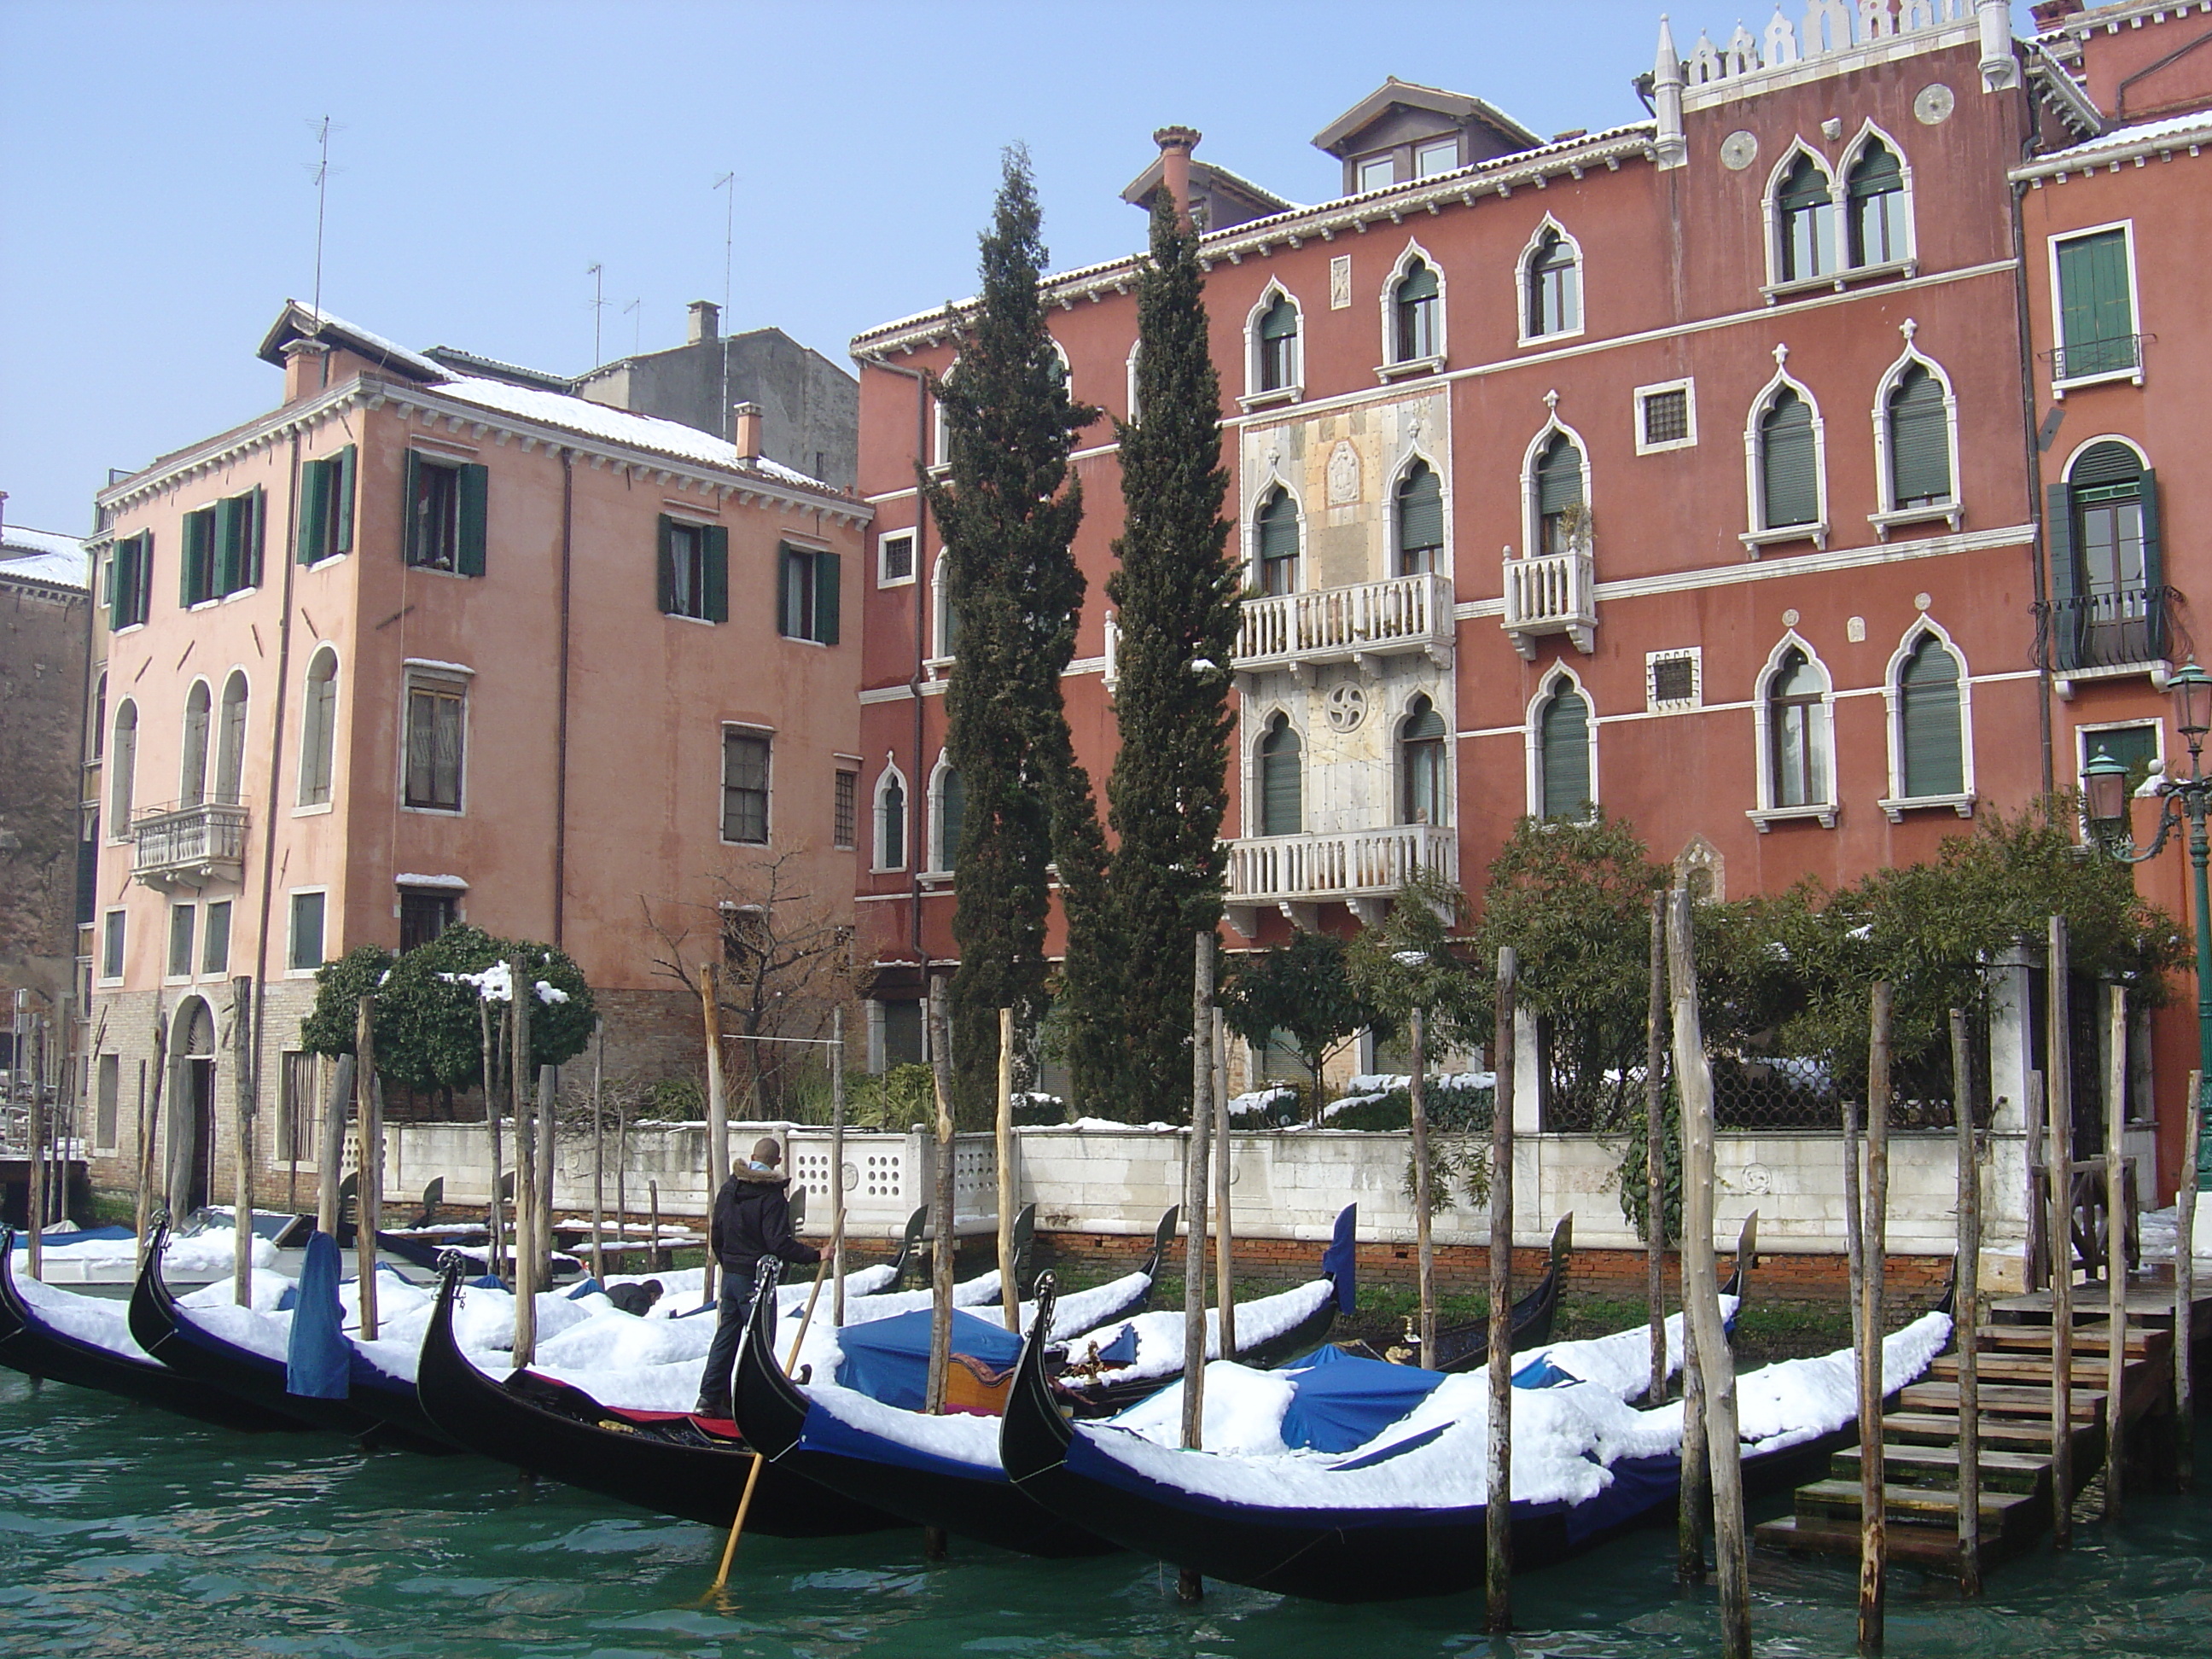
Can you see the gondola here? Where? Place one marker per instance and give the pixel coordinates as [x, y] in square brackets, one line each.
[1466, 1347]
[670, 1462]
[188, 1346]
[1358, 1529]
[31, 1343]
[890, 1469]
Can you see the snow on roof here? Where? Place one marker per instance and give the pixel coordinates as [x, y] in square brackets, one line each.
[299, 317]
[581, 414]
[43, 556]
[2194, 128]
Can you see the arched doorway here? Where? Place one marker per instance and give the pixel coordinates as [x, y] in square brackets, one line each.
[192, 1118]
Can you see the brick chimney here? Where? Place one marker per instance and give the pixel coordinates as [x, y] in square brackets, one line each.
[1175, 145]
[307, 367]
[746, 430]
[706, 322]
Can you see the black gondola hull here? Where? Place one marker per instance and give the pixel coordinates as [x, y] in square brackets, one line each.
[672, 1468]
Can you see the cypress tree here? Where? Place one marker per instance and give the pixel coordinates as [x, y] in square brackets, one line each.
[1008, 510]
[1176, 596]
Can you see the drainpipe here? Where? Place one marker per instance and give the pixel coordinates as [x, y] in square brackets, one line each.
[561, 725]
[2038, 575]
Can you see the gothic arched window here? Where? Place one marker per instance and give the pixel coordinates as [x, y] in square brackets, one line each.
[1282, 780]
[1422, 793]
[1555, 287]
[1420, 520]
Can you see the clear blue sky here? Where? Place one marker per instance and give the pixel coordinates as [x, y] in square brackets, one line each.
[156, 205]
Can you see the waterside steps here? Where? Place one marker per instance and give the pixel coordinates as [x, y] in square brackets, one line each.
[1920, 1439]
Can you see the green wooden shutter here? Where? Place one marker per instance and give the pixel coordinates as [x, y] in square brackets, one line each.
[829, 577]
[1934, 754]
[475, 487]
[230, 544]
[1281, 321]
[343, 465]
[257, 536]
[193, 568]
[128, 580]
[952, 817]
[665, 563]
[1919, 440]
[2154, 562]
[1788, 474]
[1426, 724]
[310, 536]
[1559, 477]
[1420, 283]
[1279, 528]
[717, 562]
[1282, 783]
[1420, 511]
[1565, 756]
[783, 593]
[410, 537]
[2094, 313]
[2065, 576]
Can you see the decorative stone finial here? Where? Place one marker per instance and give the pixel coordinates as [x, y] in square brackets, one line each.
[1781, 354]
[1908, 328]
[1552, 400]
[1670, 147]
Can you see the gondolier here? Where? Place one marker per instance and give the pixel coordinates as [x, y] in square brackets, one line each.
[752, 1219]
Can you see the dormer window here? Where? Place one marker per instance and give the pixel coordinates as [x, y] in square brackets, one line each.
[1439, 156]
[1379, 173]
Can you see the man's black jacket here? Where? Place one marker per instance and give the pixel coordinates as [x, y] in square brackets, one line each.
[752, 1219]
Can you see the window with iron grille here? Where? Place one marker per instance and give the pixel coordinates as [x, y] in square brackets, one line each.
[424, 913]
[844, 811]
[1673, 679]
[1665, 416]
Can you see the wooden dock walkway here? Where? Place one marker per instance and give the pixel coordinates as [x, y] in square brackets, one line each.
[1920, 1433]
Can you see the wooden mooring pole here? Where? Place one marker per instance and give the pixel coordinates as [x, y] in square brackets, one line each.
[718, 1112]
[1425, 1231]
[1194, 1193]
[2115, 1251]
[1497, 1510]
[368, 1166]
[837, 1166]
[1873, 1518]
[1654, 1156]
[242, 1150]
[1223, 1173]
[1010, 1293]
[598, 1154]
[1693, 1079]
[2058, 1167]
[495, 1251]
[941, 1247]
[526, 1258]
[1966, 1304]
[2184, 1291]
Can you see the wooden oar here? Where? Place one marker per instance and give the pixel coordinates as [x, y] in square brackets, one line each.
[736, 1527]
[828, 1258]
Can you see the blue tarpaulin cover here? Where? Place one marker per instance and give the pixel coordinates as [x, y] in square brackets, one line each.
[317, 1364]
[1343, 1401]
[888, 1360]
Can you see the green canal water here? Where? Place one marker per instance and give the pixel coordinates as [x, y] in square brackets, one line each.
[124, 1531]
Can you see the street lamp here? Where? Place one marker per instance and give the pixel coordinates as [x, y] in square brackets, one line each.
[2105, 795]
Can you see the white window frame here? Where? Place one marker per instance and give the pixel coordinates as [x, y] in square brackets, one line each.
[1889, 515]
[1255, 777]
[1561, 677]
[2060, 387]
[938, 866]
[912, 535]
[1688, 386]
[1422, 146]
[941, 438]
[1388, 368]
[1129, 368]
[108, 920]
[1524, 270]
[1769, 811]
[1653, 703]
[446, 677]
[890, 775]
[291, 939]
[2089, 729]
[939, 659]
[1897, 803]
[1756, 536]
[121, 780]
[200, 970]
[317, 809]
[169, 942]
[1448, 785]
[1910, 265]
[1293, 388]
[1414, 453]
[1253, 576]
[1777, 287]
[1531, 527]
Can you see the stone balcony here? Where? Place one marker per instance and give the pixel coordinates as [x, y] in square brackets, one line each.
[1554, 594]
[1302, 631]
[1360, 869]
[189, 845]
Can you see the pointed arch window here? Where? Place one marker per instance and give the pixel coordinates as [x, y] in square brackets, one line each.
[1278, 538]
[1797, 731]
[1282, 780]
[1805, 224]
[1919, 440]
[1555, 287]
[951, 817]
[1875, 207]
[1420, 520]
[1789, 464]
[1278, 345]
[1422, 793]
[192, 782]
[230, 742]
[319, 729]
[1416, 308]
[890, 820]
[122, 766]
[1561, 511]
[1563, 754]
[2106, 564]
[1930, 732]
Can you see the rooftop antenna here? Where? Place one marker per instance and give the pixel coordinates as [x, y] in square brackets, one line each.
[322, 173]
[597, 274]
[728, 181]
[634, 311]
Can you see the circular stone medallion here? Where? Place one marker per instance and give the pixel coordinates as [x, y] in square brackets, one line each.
[1738, 150]
[1933, 105]
[1347, 706]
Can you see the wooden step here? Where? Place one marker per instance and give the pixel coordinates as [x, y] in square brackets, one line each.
[2087, 1339]
[1933, 1548]
[2087, 1369]
[1927, 1506]
[2016, 1434]
[1911, 1465]
[2001, 1400]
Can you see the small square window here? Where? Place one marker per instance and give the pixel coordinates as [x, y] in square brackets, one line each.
[214, 938]
[2135, 747]
[424, 914]
[1440, 156]
[1673, 681]
[182, 920]
[1665, 416]
[897, 559]
[306, 952]
[845, 811]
